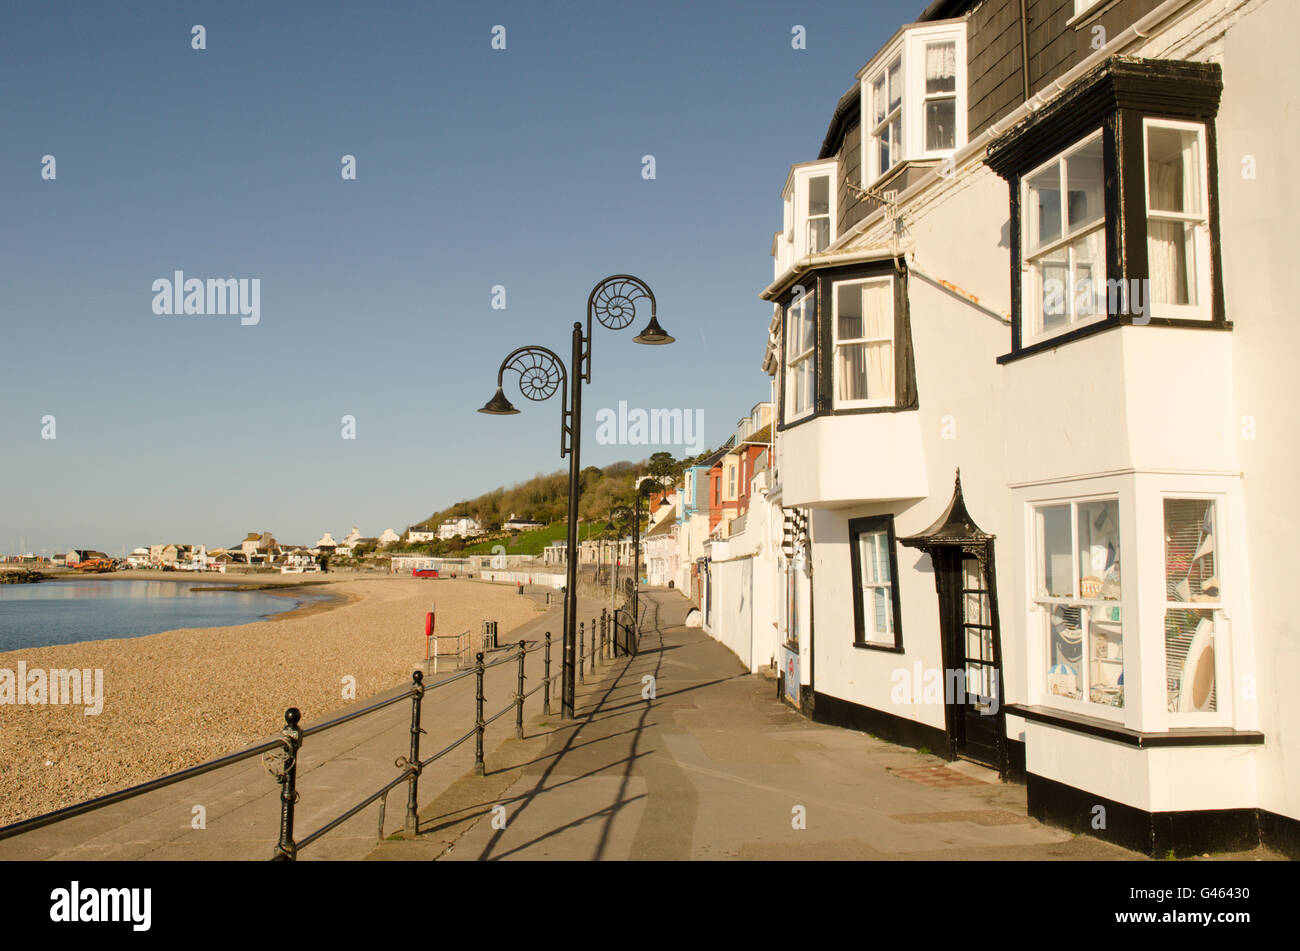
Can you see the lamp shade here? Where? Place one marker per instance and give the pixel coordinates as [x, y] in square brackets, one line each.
[653, 334]
[499, 405]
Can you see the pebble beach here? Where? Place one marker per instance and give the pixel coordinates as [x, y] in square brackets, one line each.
[175, 699]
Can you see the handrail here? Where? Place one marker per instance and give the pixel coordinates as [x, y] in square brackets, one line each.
[290, 739]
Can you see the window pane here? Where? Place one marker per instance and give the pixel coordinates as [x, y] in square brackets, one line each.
[819, 192]
[941, 67]
[1065, 651]
[808, 324]
[1057, 563]
[883, 611]
[819, 234]
[1189, 661]
[865, 371]
[878, 98]
[1173, 170]
[1088, 254]
[940, 124]
[882, 542]
[895, 85]
[1191, 561]
[1043, 206]
[848, 317]
[1053, 287]
[1171, 260]
[1099, 550]
[1106, 657]
[1084, 179]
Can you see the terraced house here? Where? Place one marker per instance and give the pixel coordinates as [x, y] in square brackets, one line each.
[1032, 343]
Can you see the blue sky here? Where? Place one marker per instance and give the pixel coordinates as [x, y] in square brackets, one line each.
[475, 167]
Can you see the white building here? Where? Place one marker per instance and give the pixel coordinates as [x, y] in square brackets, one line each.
[461, 525]
[413, 536]
[388, 537]
[1076, 302]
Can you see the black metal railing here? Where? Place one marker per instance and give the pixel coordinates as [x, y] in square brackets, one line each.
[285, 748]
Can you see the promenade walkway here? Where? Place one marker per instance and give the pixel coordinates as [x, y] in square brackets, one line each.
[715, 767]
[336, 769]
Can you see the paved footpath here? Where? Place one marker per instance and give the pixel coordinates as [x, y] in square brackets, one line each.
[716, 767]
[336, 769]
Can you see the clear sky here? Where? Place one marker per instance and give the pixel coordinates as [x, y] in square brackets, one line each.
[475, 167]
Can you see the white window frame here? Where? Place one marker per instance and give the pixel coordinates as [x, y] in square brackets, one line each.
[805, 303]
[1223, 714]
[795, 196]
[1031, 293]
[1201, 221]
[908, 50]
[1040, 606]
[1083, 6]
[836, 342]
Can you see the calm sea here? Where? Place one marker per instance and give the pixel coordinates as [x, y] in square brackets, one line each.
[92, 609]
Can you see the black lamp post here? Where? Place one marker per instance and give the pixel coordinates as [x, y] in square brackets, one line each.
[541, 373]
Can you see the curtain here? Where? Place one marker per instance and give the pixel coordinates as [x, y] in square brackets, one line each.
[940, 67]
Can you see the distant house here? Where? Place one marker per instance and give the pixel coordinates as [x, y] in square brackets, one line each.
[78, 555]
[260, 549]
[352, 537]
[327, 543]
[461, 525]
[413, 536]
[388, 537]
[139, 558]
[516, 524]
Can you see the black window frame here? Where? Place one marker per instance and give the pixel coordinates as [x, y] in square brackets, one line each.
[1115, 97]
[858, 527]
[821, 283]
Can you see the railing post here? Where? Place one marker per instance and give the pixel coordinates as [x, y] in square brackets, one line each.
[479, 725]
[519, 698]
[582, 626]
[287, 849]
[546, 689]
[413, 784]
[594, 641]
[604, 633]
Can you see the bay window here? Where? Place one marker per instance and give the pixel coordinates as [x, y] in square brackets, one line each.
[809, 209]
[1113, 200]
[800, 350]
[1078, 593]
[864, 342]
[914, 98]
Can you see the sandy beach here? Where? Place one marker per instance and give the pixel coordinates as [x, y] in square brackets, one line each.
[175, 699]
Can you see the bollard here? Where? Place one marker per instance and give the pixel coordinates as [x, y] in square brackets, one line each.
[594, 649]
[287, 849]
[546, 689]
[413, 784]
[581, 627]
[519, 697]
[479, 725]
[604, 632]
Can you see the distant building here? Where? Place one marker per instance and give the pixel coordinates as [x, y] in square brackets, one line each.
[260, 549]
[414, 536]
[461, 525]
[388, 537]
[516, 524]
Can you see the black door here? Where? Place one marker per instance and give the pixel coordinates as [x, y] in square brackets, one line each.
[972, 659]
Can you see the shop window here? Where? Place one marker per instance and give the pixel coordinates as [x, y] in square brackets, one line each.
[1078, 592]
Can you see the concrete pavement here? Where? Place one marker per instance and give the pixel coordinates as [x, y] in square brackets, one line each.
[715, 767]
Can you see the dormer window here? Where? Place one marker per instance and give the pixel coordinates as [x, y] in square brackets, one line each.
[913, 98]
[810, 212]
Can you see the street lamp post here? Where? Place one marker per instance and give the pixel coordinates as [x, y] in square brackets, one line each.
[541, 374]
